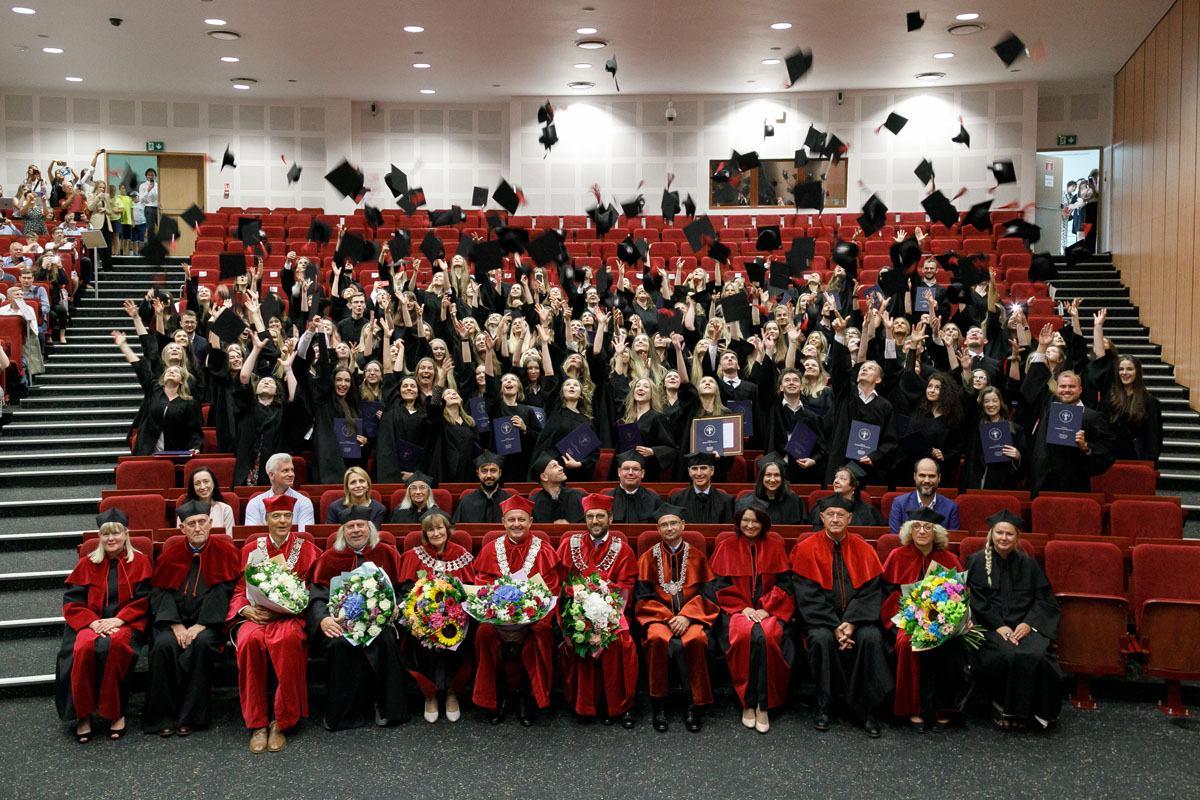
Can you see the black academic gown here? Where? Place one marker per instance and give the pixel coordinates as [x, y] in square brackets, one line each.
[746, 390]
[864, 514]
[398, 424]
[516, 465]
[452, 447]
[786, 509]
[848, 408]
[657, 436]
[714, 507]
[781, 421]
[636, 507]
[1064, 468]
[411, 515]
[328, 465]
[1132, 440]
[568, 505]
[559, 423]
[478, 507]
[1025, 680]
[978, 474]
[177, 421]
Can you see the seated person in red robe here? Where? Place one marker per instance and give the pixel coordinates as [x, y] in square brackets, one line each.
[193, 582]
[612, 676]
[676, 604]
[934, 681]
[525, 664]
[105, 607]
[270, 643]
[361, 681]
[753, 574]
[839, 592]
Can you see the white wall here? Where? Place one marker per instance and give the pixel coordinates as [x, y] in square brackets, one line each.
[1083, 109]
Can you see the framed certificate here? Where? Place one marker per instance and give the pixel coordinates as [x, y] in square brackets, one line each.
[721, 435]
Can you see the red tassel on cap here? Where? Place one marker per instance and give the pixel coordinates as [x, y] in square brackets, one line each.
[961, 192]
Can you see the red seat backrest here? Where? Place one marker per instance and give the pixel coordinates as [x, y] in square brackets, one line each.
[1138, 519]
[974, 509]
[1085, 568]
[156, 474]
[1125, 479]
[1066, 515]
[145, 511]
[1164, 571]
[222, 469]
[885, 544]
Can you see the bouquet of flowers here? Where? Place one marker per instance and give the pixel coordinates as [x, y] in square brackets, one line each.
[936, 609]
[270, 585]
[362, 602]
[509, 605]
[591, 618]
[433, 611]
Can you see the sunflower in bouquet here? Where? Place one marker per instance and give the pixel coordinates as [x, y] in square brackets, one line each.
[937, 608]
[591, 616]
[434, 612]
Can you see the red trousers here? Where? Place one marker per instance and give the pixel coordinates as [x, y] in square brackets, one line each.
[536, 661]
[280, 644]
[614, 670]
[657, 649]
[83, 673]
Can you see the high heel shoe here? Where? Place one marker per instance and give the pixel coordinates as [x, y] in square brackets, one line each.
[748, 717]
[453, 712]
[761, 723]
[431, 709]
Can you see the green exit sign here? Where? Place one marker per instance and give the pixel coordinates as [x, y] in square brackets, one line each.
[1066, 139]
[157, 147]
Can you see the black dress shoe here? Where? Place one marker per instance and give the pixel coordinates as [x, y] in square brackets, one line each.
[821, 721]
[694, 719]
[525, 712]
[659, 720]
[919, 727]
[871, 726]
[497, 716]
[628, 720]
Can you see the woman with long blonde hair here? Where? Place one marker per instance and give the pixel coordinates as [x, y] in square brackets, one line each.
[643, 407]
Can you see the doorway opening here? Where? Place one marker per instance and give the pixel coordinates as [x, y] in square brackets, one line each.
[181, 183]
[1068, 191]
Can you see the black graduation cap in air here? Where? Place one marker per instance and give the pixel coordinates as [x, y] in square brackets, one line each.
[814, 140]
[628, 252]
[905, 254]
[747, 161]
[549, 137]
[873, 216]
[725, 170]
[155, 253]
[400, 245]
[670, 205]
[924, 171]
[249, 231]
[756, 271]
[633, 208]
[801, 159]
[604, 218]
[168, 228]
[129, 180]
[513, 240]
[508, 197]
[1077, 252]
[411, 200]
[193, 216]
[348, 181]
[447, 217]
[914, 20]
[835, 148]
[893, 282]
[227, 160]
[940, 209]
[545, 113]
[1042, 268]
[545, 248]
[232, 265]
[228, 326]
[432, 247]
[719, 252]
[768, 238]
[610, 67]
[465, 244]
[1020, 229]
[699, 232]
[319, 232]
[971, 270]
[397, 181]
[800, 256]
[355, 248]
[768, 129]
[895, 123]
[845, 255]
[293, 174]
[669, 321]
[1010, 48]
[1004, 172]
[487, 256]
[479, 196]
[373, 216]
[963, 137]
[979, 217]
[780, 275]
[810, 195]
[735, 307]
[689, 206]
[798, 63]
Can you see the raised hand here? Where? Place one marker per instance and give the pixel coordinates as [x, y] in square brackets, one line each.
[130, 308]
[1046, 336]
[118, 338]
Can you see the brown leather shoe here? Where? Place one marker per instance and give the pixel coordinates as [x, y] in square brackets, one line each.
[276, 741]
[258, 741]
[183, 730]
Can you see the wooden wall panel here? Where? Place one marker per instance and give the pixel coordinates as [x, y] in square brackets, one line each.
[1154, 196]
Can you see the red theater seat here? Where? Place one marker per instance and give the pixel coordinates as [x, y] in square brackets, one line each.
[145, 511]
[1067, 515]
[974, 509]
[1166, 606]
[1140, 519]
[156, 474]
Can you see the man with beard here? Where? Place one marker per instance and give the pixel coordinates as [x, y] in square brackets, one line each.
[483, 504]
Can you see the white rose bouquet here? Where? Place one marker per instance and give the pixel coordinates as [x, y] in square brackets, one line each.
[270, 585]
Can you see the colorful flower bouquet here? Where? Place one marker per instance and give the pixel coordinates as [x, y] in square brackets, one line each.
[510, 606]
[270, 585]
[591, 618]
[937, 609]
[362, 603]
[433, 611]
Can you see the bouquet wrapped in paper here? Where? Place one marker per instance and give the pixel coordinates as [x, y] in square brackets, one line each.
[362, 602]
[936, 609]
[433, 611]
[271, 585]
[510, 605]
[591, 615]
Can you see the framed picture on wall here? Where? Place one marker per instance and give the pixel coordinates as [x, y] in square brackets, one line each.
[771, 184]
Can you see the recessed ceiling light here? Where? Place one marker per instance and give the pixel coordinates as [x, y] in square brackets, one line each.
[943, 55]
[244, 81]
[428, 91]
[591, 44]
[241, 86]
[586, 31]
[967, 16]
[763, 89]
[770, 61]
[214, 21]
[780, 26]
[413, 29]
[420, 65]
[965, 29]
[73, 79]
[230, 59]
[23, 10]
[583, 65]
[580, 85]
[929, 76]
[225, 36]
[52, 50]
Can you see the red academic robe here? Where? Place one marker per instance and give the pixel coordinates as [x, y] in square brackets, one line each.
[537, 647]
[88, 598]
[747, 574]
[422, 662]
[615, 670]
[905, 565]
[655, 606]
[280, 644]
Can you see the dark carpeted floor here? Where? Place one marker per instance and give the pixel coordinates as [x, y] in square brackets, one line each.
[1126, 749]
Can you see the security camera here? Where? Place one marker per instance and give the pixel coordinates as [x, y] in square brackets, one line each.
[839, 97]
[115, 21]
[670, 113]
[374, 109]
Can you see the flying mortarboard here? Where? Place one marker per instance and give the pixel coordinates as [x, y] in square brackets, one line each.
[545, 114]
[549, 137]
[1004, 172]
[689, 206]
[193, 216]
[963, 137]
[155, 253]
[1042, 268]
[249, 231]
[610, 67]
[545, 248]
[447, 217]
[769, 239]
[604, 217]
[396, 181]
[1019, 228]
[845, 255]
[814, 140]
[319, 232]
[892, 282]
[633, 208]
[400, 245]
[747, 161]
[979, 217]
[129, 180]
[355, 248]
[348, 181]
[835, 148]
[508, 197]
[1010, 48]
[736, 308]
[810, 195]
[894, 123]
[479, 196]
[719, 252]
[924, 171]
[465, 245]
[670, 205]
[940, 209]
[800, 256]
[487, 256]
[293, 174]
[798, 63]
[227, 160]
[699, 232]
[873, 217]
[432, 247]
[914, 21]
[168, 228]
[373, 216]
[228, 325]
[801, 159]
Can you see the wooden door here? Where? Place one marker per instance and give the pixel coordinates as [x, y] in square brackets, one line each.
[181, 182]
[1048, 197]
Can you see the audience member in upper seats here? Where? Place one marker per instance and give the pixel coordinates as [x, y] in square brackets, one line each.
[270, 641]
[31, 352]
[571, 410]
[36, 296]
[1055, 467]
[124, 223]
[101, 207]
[927, 476]
[418, 501]
[703, 504]
[48, 269]
[361, 681]
[32, 247]
[193, 584]
[203, 488]
[555, 502]
[977, 472]
[106, 609]
[1134, 414]
[632, 502]
[752, 586]
[281, 472]
[783, 415]
[1015, 607]
[148, 191]
[772, 487]
[485, 503]
[34, 211]
[14, 262]
[932, 682]
[848, 484]
[434, 671]
[137, 223]
[357, 485]
[838, 595]
[169, 417]
[8, 227]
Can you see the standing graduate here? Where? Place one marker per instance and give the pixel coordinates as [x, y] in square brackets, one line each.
[752, 579]
[702, 504]
[193, 582]
[658, 447]
[1012, 601]
[676, 604]
[839, 593]
[612, 676]
[105, 608]
[364, 680]
[632, 502]
[567, 412]
[782, 418]
[510, 403]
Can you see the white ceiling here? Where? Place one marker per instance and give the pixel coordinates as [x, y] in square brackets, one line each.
[357, 49]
